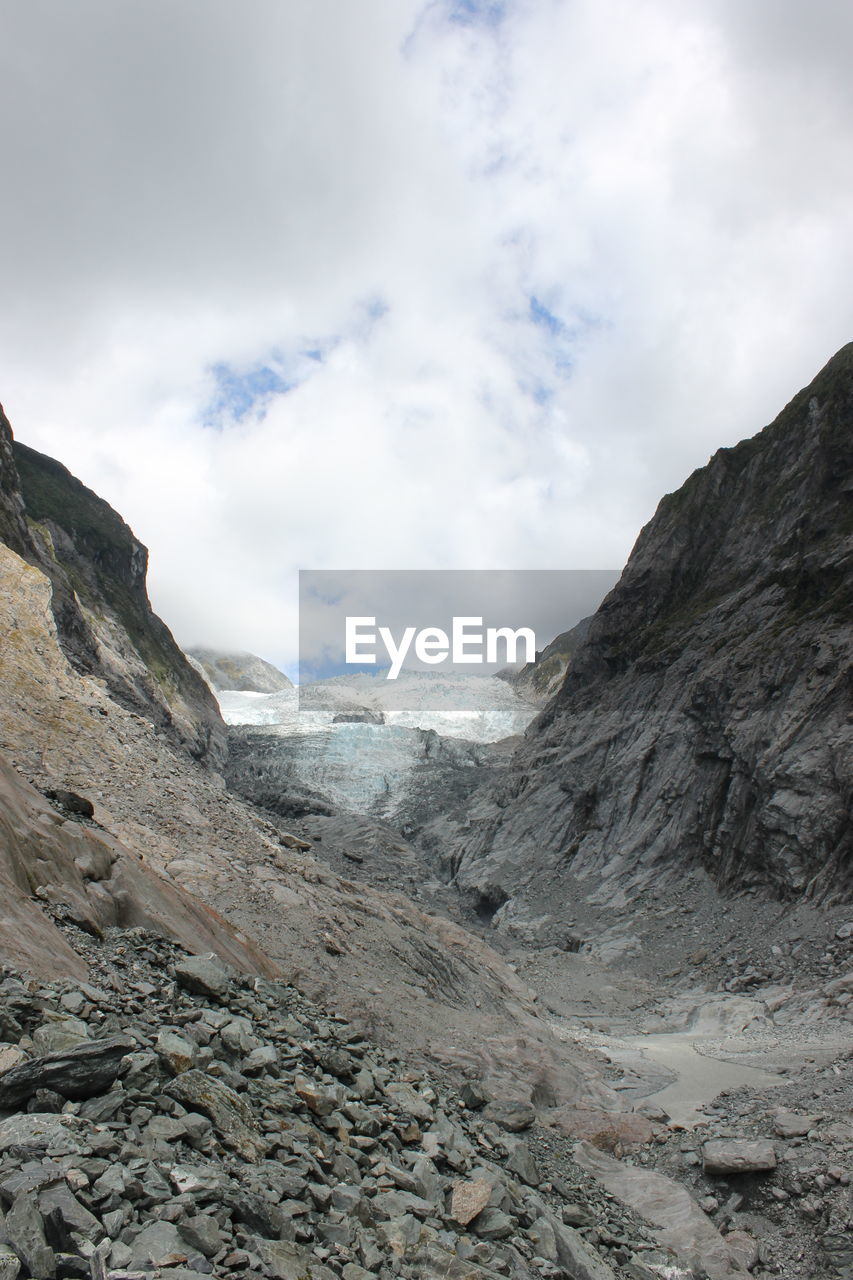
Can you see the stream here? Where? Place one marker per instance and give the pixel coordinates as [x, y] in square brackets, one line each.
[699, 1078]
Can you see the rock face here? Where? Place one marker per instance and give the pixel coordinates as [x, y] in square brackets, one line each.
[243, 672]
[104, 621]
[738, 1156]
[541, 679]
[706, 719]
[87, 876]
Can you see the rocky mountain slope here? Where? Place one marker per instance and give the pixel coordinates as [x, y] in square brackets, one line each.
[104, 621]
[540, 680]
[410, 976]
[53, 863]
[244, 672]
[705, 723]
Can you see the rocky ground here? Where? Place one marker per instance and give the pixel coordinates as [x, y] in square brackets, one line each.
[759, 990]
[169, 1119]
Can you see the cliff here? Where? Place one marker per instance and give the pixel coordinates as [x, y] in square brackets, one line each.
[105, 624]
[706, 720]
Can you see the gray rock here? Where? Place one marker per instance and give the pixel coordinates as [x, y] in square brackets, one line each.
[474, 1095]
[838, 1249]
[232, 1117]
[254, 1211]
[743, 1248]
[158, 1244]
[166, 1128]
[177, 1053]
[283, 1261]
[409, 1101]
[512, 1116]
[60, 1134]
[522, 1164]
[58, 1032]
[112, 1182]
[191, 1179]
[238, 1036]
[716, 633]
[203, 976]
[723, 1156]
[395, 1204]
[577, 1257]
[59, 1201]
[201, 1232]
[345, 1198]
[322, 1102]
[10, 1264]
[543, 1239]
[678, 1222]
[82, 1071]
[789, 1125]
[492, 1224]
[398, 1235]
[259, 1060]
[197, 1129]
[24, 1231]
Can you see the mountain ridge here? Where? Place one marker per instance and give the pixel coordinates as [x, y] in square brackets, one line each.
[105, 624]
[704, 720]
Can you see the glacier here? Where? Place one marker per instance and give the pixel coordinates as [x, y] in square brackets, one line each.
[367, 744]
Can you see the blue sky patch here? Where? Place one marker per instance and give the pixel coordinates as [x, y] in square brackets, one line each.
[238, 393]
[469, 13]
[546, 319]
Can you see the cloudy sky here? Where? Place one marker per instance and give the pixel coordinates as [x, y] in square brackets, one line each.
[372, 284]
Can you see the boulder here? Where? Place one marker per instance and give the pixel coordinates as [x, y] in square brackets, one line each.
[175, 1052]
[82, 1071]
[577, 1257]
[283, 1261]
[24, 1231]
[512, 1116]
[725, 1156]
[232, 1117]
[158, 1245]
[203, 976]
[469, 1198]
[678, 1222]
[789, 1125]
[37, 1132]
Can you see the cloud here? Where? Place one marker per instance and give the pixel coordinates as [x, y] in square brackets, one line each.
[459, 284]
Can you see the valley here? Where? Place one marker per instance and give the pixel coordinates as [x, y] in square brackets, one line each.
[552, 978]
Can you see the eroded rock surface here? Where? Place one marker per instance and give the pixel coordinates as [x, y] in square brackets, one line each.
[705, 721]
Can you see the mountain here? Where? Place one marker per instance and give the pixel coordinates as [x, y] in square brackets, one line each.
[705, 722]
[84, 719]
[540, 679]
[104, 621]
[242, 672]
[371, 1088]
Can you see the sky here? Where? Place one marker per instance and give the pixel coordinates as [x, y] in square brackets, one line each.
[410, 284]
